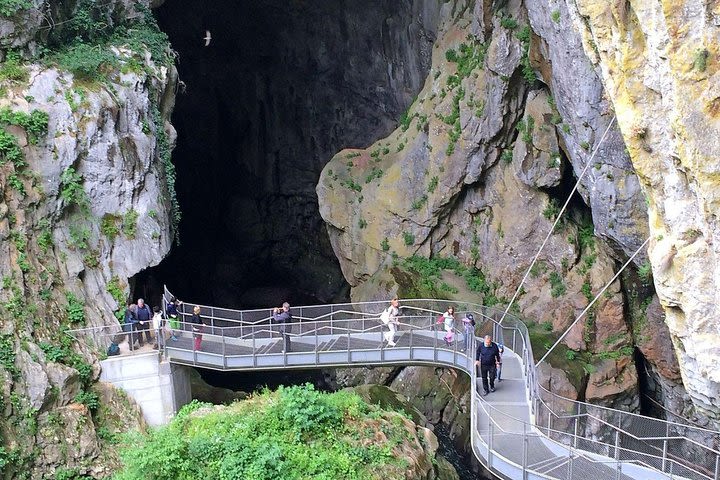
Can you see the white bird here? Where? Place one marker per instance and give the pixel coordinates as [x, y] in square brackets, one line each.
[207, 37]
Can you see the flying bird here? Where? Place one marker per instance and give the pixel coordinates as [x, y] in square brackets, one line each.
[207, 37]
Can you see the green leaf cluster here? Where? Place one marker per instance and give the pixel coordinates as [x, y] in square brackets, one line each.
[295, 432]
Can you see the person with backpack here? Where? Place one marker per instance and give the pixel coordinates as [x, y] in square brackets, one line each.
[501, 349]
[158, 325]
[283, 317]
[197, 327]
[389, 317]
[144, 317]
[172, 314]
[449, 324]
[487, 358]
[469, 328]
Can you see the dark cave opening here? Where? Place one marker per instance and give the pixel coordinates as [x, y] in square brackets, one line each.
[280, 89]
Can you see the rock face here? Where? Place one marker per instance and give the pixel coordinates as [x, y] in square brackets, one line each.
[84, 206]
[659, 64]
[478, 171]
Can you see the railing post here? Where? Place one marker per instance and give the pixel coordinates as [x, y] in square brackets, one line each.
[317, 353]
[252, 329]
[524, 452]
[241, 323]
[491, 432]
[332, 317]
[717, 467]
[617, 454]
[222, 333]
[411, 343]
[435, 345]
[575, 435]
[212, 320]
[348, 346]
[665, 446]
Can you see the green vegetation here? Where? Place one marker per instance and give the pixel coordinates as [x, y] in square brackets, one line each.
[525, 127]
[35, 125]
[44, 238]
[433, 184]
[7, 355]
[555, 16]
[506, 155]
[79, 237]
[129, 223]
[385, 245]
[645, 273]
[551, 210]
[118, 294]
[585, 145]
[109, 226]
[509, 23]
[408, 238]
[350, 184]
[700, 61]
[12, 69]
[556, 284]
[164, 155]
[72, 191]
[89, 399]
[374, 173]
[469, 56]
[75, 309]
[295, 432]
[420, 202]
[362, 223]
[525, 37]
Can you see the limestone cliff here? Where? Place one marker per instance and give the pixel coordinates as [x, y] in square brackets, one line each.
[85, 205]
[476, 173]
[659, 63]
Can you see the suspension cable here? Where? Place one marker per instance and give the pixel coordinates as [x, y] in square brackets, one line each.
[557, 220]
[593, 301]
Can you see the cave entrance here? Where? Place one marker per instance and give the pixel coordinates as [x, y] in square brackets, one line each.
[281, 87]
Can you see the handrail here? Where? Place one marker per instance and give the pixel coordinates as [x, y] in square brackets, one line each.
[512, 332]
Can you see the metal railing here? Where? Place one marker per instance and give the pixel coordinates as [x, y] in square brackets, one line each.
[546, 436]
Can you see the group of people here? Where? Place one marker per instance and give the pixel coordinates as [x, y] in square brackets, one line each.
[139, 318]
[488, 355]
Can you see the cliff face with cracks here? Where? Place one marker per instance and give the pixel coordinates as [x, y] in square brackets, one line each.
[659, 62]
[84, 207]
[505, 124]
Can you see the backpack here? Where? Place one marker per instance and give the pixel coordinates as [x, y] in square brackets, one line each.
[113, 350]
[385, 316]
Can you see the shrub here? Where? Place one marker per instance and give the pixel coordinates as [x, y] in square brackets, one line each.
[72, 191]
[555, 16]
[296, 432]
[12, 68]
[507, 155]
[109, 226]
[551, 210]
[509, 23]
[79, 237]
[75, 309]
[86, 61]
[433, 184]
[645, 273]
[129, 223]
[89, 399]
[700, 61]
[385, 245]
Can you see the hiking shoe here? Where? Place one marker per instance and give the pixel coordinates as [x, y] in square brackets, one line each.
[499, 379]
[485, 392]
[391, 344]
[173, 338]
[492, 389]
[155, 347]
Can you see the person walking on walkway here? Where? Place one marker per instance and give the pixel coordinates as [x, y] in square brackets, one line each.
[469, 328]
[197, 327]
[144, 317]
[131, 324]
[158, 323]
[488, 358]
[389, 317]
[449, 324]
[283, 318]
[172, 314]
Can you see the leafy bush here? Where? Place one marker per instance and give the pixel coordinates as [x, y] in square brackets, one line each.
[75, 309]
[86, 61]
[296, 432]
[385, 245]
[12, 68]
[129, 223]
[71, 189]
[645, 273]
[408, 238]
[7, 355]
[551, 210]
[89, 399]
[109, 226]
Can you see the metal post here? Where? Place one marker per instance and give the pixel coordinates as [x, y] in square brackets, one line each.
[490, 441]
[617, 453]
[435, 346]
[524, 452]
[317, 353]
[348, 346]
[665, 446]
[332, 311]
[514, 330]
[575, 435]
[241, 323]
[411, 344]
[253, 346]
[222, 333]
[212, 320]
[717, 467]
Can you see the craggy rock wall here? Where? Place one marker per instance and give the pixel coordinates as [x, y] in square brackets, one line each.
[84, 206]
[659, 63]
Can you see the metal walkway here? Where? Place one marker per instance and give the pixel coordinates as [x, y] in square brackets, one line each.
[521, 431]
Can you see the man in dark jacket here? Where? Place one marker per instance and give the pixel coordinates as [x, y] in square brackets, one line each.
[283, 317]
[488, 358]
[144, 317]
